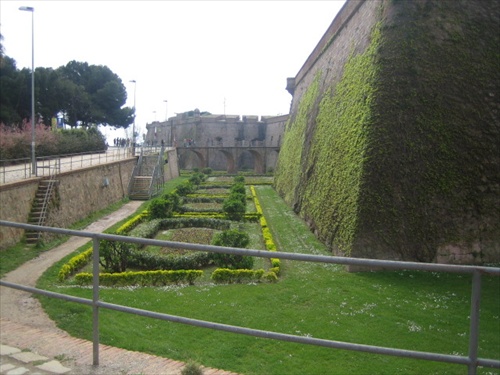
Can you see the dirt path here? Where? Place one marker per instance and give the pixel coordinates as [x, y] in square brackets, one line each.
[22, 307]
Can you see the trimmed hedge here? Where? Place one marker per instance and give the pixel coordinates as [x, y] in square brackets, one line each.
[266, 232]
[142, 278]
[147, 261]
[74, 264]
[150, 228]
[226, 275]
[132, 223]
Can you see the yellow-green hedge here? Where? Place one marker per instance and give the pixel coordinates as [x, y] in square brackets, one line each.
[266, 232]
[132, 223]
[74, 264]
[142, 278]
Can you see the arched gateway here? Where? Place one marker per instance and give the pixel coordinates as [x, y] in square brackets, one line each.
[260, 159]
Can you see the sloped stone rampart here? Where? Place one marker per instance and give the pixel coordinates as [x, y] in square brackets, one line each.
[396, 111]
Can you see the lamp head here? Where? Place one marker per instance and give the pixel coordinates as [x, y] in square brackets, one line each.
[27, 9]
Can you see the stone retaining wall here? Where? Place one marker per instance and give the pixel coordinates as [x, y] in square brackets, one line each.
[79, 193]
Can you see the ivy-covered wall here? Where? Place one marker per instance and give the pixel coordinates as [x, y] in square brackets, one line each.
[392, 146]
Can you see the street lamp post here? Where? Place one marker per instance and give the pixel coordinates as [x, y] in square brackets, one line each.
[133, 125]
[33, 121]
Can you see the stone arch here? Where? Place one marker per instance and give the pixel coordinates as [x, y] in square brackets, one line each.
[259, 161]
[185, 153]
[231, 165]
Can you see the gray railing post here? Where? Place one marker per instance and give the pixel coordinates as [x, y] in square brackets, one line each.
[474, 321]
[95, 300]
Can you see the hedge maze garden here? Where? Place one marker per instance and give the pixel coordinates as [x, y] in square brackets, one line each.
[204, 209]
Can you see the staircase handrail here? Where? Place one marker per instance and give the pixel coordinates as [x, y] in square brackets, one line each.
[135, 172]
[155, 183]
[53, 172]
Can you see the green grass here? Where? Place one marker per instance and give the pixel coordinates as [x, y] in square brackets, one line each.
[407, 310]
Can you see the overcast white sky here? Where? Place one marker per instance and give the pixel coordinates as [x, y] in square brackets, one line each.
[228, 57]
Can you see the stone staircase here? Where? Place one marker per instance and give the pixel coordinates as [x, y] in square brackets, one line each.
[39, 208]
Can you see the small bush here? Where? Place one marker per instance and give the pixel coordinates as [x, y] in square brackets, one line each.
[114, 255]
[160, 208]
[185, 189]
[192, 368]
[175, 199]
[239, 179]
[197, 179]
[232, 238]
[207, 171]
[238, 188]
[234, 209]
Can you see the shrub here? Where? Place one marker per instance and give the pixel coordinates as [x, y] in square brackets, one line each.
[185, 189]
[160, 208]
[197, 179]
[15, 141]
[207, 171]
[234, 209]
[232, 238]
[175, 199]
[238, 188]
[114, 255]
[239, 179]
[191, 368]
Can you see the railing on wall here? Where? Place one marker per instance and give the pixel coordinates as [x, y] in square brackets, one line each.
[19, 169]
[472, 361]
[53, 172]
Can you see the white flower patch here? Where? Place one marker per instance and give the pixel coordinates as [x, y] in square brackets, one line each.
[413, 327]
[365, 309]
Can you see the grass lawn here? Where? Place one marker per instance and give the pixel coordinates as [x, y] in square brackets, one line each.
[407, 310]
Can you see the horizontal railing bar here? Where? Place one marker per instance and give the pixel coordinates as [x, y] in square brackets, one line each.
[46, 293]
[461, 360]
[373, 263]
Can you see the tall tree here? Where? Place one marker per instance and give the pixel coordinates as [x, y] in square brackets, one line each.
[11, 91]
[104, 99]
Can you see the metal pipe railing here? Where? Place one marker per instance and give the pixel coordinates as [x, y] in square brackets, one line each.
[19, 169]
[471, 361]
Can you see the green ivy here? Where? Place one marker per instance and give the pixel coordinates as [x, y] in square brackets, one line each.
[288, 169]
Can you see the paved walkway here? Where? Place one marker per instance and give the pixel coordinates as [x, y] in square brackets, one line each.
[37, 346]
[46, 166]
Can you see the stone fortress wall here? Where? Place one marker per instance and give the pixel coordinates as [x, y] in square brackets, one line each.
[206, 130]
[397, 104]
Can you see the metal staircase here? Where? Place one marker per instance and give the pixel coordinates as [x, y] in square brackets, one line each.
[39, 208]
[147, 177]
[40, 205]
